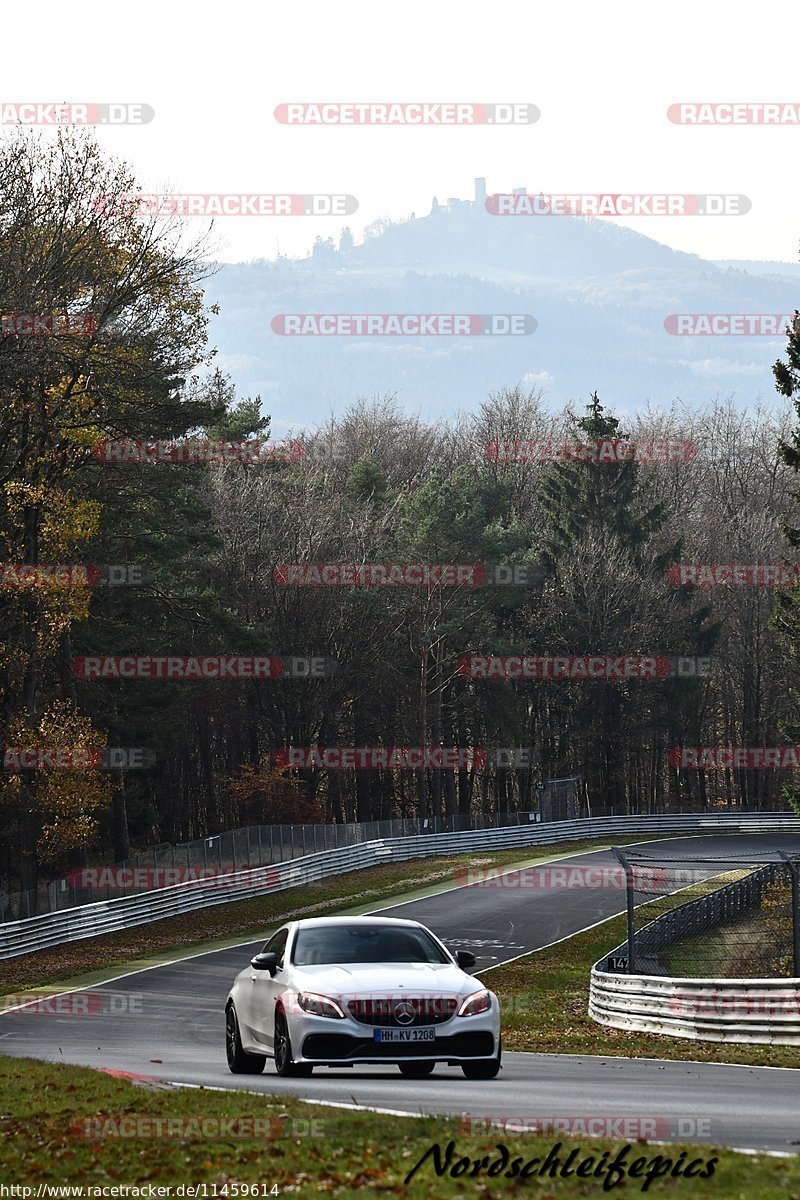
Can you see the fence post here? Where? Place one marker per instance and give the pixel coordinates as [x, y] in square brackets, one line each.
[794, 869]
[622, 858]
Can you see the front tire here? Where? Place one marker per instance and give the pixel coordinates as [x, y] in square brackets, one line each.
[285, 1066]
[239, 1061]
[483, 1068]
[416, 1070]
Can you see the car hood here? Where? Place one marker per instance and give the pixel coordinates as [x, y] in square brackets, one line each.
[413, 978]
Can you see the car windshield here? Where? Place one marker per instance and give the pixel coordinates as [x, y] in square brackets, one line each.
[364, 944]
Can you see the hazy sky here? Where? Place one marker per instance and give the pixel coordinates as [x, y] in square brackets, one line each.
[602, 76]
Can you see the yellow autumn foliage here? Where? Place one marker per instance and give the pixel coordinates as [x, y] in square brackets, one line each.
[69, 801]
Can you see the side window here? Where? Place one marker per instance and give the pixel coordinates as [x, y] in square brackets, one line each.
[277, 944]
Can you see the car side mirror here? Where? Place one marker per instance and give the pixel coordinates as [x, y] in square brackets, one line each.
[465, 959]
[265, 962]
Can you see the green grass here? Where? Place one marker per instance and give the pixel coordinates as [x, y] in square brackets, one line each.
[544, 995]
[303, 1149]
[758, 945]
[734, 951]
[248, 920]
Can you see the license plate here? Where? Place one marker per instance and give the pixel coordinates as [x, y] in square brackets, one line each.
[420, 1034]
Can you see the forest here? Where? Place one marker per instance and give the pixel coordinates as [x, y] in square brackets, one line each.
[579, 556]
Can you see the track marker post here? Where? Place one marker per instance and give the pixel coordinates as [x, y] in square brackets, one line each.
[622, 858]
[794, 869]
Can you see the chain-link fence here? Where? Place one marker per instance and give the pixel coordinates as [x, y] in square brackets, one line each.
[236, 849]
[711, 917]
[559, 799]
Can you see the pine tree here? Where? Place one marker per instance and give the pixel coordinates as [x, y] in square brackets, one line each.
[602, 497]
[608, 595]
[787, 614]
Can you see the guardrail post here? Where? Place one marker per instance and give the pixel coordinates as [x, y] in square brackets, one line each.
[794, 869]
[629, 906]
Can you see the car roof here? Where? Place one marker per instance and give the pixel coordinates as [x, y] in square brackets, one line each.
[325, 922]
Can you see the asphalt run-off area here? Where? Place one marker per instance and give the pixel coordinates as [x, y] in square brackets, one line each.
[167, 1023]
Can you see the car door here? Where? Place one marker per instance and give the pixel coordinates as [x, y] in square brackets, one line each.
[265, 988]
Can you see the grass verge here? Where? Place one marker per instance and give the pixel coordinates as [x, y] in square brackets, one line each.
[544, 1000]
[244, 920]
[305, 1149]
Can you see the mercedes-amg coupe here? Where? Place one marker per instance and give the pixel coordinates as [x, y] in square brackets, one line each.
[336, 991]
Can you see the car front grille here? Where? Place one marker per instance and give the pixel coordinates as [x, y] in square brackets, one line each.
[340, 1047]
[425, 1010]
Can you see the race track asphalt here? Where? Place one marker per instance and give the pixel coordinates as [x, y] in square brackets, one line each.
[166, 1023]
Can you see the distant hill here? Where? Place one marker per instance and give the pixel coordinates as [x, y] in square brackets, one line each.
[756, 267]
[599, 293]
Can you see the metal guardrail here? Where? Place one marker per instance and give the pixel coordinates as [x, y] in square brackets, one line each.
[717, 1010]
[230, 850]
[110, 916]
[712, 1010]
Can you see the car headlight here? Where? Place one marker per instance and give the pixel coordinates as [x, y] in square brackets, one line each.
[318, 1006]
[478, 1002]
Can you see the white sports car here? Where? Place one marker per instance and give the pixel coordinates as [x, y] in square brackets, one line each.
[335, 991]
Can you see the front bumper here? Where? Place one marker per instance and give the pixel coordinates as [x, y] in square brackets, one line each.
[327, 1040]
[343, 1047]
